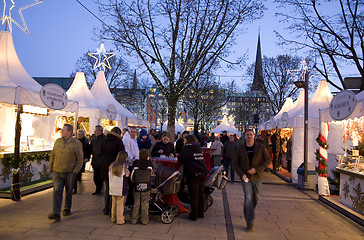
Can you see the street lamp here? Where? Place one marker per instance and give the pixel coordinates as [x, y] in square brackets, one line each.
[304, 85]
[303, 75]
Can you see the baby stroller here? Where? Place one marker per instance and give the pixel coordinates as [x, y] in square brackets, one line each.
[166, 182]
[215, 179]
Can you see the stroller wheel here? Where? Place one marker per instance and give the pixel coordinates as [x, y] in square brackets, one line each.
[167, 216]
[175, 209]
[205, 205]
[209, 201]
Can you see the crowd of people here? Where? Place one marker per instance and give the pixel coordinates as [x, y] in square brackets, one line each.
[122, 165]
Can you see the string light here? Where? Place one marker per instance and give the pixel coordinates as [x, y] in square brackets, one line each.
[102, 57]
[6, 17]
[300, 73]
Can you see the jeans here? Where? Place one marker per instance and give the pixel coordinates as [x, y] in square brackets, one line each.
[251, 198]
[62, 180]
[141, 203]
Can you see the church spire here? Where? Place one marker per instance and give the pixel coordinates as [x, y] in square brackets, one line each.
[135, 80]
[258, 81]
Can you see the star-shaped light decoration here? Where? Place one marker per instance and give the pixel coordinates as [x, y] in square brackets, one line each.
[6, 17]
[102, 58]
[300, 73]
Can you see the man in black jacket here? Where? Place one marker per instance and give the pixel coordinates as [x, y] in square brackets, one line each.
[96, 151]
[251, 160]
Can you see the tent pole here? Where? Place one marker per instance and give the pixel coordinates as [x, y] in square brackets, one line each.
[305, 154]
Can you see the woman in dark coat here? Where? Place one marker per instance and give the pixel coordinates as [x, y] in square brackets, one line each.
[111, 146]
[195, 172]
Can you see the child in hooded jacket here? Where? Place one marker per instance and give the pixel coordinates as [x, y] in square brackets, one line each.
[118, 187]
[140, 175]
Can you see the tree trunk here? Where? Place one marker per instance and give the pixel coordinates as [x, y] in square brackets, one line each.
[172, 107]
[15, 189]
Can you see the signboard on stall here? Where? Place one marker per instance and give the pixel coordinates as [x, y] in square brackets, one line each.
[342, 105]
[111, 112]
[53, 96]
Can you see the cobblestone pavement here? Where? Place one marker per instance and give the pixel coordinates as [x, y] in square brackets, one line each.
[282, 213]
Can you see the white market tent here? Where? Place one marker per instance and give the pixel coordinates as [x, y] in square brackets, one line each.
[335, 133]
[101, 92]
[88, 105]
[17, 87]
[321, 99]
[225, 126]
[177, 127]
[288, 105]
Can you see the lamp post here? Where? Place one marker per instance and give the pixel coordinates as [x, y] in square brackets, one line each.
[303, 75]
[304, 85]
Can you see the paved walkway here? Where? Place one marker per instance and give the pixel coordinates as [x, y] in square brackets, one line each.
[283, 213]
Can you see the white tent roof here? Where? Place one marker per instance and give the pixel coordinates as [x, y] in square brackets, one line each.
[88, 105]
[320, 99]
[288, 105]
[101, 92]
[16, 85]
[225, 126]
[177, 127]
[298, 105]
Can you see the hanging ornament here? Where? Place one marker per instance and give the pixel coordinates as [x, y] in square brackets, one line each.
[7, 18]
[102, 58]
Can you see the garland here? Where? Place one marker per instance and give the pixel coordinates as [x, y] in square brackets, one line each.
[321, 169]
[24, 157]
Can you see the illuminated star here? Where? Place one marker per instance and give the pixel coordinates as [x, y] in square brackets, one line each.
[300, 73]
[102, 57]
[6, 17]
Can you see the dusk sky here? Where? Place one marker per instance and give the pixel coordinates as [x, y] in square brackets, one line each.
[61, 31]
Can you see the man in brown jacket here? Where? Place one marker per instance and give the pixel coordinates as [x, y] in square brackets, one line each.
[250, 161]
[65, 161]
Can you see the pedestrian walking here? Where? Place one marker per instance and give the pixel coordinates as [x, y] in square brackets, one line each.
[81, 136]
[142, 169]
[96, 152]
[251, 160]
[194, 171]
[118, 173]
[65, 161]
[111, 146]
[224, 138]
[228, 152]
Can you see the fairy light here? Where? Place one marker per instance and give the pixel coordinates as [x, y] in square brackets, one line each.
[102, 57]
[6, 17]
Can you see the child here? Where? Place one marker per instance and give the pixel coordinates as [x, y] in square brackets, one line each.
[117, 171]
[140, 176]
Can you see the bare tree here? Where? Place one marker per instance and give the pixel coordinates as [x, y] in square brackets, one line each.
[336, 39]
[119, 76]
[176, 40]
[204, 99]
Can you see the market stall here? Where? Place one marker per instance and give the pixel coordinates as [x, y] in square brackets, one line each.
[101, 92]
[320, 99]
[225, 126]
[90, 111]
[21, 108]
[345, 138]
